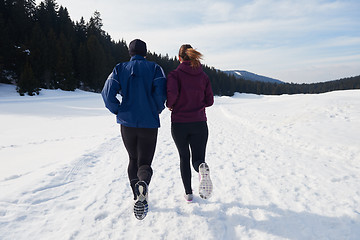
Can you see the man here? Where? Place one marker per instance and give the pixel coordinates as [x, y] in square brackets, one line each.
[142, 86]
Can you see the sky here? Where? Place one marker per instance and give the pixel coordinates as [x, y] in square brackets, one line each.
[299, 41]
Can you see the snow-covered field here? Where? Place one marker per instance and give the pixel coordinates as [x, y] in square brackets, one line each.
[283, 167]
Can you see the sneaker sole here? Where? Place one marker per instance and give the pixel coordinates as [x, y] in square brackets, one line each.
[141, 206]
[141, 209]
[205, 186]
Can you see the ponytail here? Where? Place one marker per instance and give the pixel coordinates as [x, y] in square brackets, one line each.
[187, 53]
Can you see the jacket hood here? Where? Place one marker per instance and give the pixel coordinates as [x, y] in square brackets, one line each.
[186, 67]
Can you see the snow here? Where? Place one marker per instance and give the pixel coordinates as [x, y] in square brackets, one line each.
[283, 167]
[238, 73]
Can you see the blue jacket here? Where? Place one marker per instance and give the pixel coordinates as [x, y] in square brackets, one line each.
[142, 86]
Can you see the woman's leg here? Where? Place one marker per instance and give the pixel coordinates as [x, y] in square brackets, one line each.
[198, 140]
[180, 136]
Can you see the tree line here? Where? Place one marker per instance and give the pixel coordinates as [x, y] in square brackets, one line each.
[41, 47]
[228, 86]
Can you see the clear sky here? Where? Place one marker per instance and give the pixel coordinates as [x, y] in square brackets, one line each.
[298, 41]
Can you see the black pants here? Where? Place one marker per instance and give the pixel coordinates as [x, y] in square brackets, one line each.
[195, 136]
[140, 144]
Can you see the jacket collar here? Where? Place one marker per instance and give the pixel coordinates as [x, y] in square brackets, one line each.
[137, 57]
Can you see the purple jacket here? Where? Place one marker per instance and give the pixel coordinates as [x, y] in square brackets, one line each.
[188, 93]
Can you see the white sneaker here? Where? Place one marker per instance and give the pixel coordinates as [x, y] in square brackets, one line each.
[188, 197]
[205, 186]
[141, 206]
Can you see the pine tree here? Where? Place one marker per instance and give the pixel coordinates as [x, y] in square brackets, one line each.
[95, 25]
[81, 31]
[64, 67]
[96, 64]
[38, 45]
[51, 60]
[82, 66]
[27, 83]
[3, 45]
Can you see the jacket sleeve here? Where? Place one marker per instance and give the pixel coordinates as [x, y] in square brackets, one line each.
[110, 90]
[209, 96]
[172, 90]
[159, 88]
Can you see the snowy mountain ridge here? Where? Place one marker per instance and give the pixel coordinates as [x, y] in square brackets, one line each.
[251, 76]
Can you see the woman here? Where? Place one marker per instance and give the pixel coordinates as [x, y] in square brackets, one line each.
[188, 93]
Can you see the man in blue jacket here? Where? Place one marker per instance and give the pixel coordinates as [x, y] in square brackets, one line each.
[142, 86]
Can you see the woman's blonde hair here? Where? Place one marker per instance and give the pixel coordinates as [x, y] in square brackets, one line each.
[187, 53]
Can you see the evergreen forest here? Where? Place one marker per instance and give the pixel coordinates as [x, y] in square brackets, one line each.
[41, 47]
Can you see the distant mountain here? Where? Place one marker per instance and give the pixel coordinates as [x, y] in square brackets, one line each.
[251, 76]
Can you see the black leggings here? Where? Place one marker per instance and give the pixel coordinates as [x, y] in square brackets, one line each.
[140, 144]
[195, 136]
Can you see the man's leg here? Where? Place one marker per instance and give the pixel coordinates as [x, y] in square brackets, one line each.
[146, 145]
[130, 142]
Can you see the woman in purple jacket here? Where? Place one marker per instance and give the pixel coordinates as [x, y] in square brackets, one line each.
[188, 94]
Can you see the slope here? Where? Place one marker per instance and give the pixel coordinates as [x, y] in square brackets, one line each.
[283, 167]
